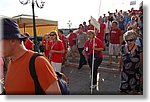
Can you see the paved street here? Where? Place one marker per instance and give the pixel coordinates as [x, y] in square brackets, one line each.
[79, 80]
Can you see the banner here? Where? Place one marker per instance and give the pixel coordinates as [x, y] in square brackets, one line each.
[132, 2]
[95, 23]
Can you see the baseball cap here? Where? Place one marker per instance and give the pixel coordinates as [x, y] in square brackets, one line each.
[11, 29]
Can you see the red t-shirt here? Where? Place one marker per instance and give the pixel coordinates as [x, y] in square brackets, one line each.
[90, 27]
[101, 33]
[58, 46]
[29, 44]
[115, 34]
[64, 39]
[89, 45]
[72, 38]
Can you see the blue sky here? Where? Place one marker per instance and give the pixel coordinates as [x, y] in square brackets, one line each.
[76, 11]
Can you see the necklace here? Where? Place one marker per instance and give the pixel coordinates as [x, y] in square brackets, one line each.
[131, 48]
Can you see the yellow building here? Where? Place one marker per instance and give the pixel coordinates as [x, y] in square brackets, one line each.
[43, 26]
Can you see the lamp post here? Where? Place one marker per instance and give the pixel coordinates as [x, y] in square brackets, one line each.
[36, 48]
[69, 24]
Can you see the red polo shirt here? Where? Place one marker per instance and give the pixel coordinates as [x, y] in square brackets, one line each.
[58, 46]
[89, 44]
[71, 38]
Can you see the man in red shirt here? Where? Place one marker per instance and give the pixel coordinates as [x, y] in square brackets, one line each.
[90, 26]
[115, 38]
[64, 40]
[72, 43]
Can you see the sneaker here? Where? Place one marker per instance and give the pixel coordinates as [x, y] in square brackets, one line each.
[93, 86]
[80, 66]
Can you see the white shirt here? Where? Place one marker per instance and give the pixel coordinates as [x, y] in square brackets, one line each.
[108, 26]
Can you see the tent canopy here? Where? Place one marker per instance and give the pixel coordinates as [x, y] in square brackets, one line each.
[43, 26]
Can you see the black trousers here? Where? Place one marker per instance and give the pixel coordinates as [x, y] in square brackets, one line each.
[106, 38]
[97, 62]
[82, 60]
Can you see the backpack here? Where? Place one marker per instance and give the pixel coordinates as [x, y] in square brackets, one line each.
[38, 89]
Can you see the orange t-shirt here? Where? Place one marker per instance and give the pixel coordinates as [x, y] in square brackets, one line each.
[18, 78]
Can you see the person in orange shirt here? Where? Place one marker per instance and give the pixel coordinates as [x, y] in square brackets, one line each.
[18, 79]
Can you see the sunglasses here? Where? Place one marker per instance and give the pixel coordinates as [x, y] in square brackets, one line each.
[52, 34]
[130, 40]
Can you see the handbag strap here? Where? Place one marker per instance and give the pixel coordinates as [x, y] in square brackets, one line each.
[38, 88]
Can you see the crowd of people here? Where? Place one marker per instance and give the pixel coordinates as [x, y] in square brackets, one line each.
[121, 32]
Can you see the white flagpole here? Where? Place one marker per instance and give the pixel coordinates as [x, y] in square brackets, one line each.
[92, 65]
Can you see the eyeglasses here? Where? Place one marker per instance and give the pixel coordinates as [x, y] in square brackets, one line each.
[130, 40]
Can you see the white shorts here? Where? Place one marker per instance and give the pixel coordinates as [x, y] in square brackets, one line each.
[114, 49]
[56, 66]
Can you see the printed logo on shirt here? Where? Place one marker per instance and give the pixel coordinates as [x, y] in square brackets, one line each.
[113, 32]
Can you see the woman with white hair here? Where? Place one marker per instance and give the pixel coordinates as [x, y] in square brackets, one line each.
[131, 59]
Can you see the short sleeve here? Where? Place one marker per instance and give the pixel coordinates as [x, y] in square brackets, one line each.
[123, 49]
[45, 72]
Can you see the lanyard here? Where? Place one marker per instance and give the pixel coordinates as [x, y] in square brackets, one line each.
[53, 44]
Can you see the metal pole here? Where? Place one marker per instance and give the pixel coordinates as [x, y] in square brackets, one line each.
[92, 65]
[36, 49]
